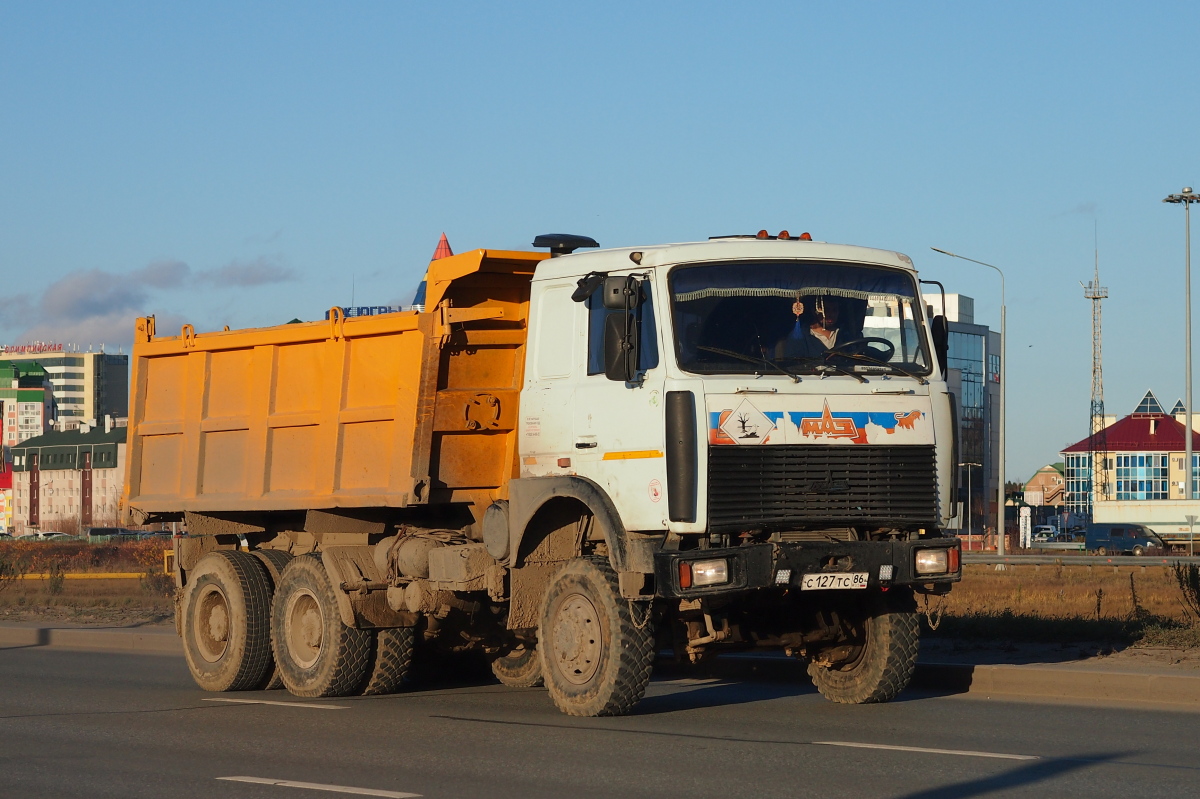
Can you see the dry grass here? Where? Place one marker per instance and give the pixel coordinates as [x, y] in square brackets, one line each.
[145, 599]
[1125, 605]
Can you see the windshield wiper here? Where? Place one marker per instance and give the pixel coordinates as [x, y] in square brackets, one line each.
[826, 367]
[750, 359]
[857, 356]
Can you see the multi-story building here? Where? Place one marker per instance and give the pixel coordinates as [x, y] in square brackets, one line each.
[69, 481]
[6, 497]
[26, 403]
[85, 385]
[1047, 487]
[974, 380]
[1143, 471]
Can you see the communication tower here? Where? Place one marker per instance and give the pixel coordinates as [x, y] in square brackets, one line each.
[1099, 436]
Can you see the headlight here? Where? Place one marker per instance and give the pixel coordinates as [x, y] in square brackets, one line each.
[710, 572]
[932, 561]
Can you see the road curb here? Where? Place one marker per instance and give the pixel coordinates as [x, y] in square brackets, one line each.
[133, 640]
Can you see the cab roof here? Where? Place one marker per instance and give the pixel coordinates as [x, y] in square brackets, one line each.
[580, 263]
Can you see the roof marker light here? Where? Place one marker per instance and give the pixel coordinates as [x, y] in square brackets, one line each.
[783, 236]
[805, 237]
[762, 234]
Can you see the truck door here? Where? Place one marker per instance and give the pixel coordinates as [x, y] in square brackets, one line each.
[619, 436]
[549, 392]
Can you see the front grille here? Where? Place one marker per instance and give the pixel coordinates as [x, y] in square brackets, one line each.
[784, 487]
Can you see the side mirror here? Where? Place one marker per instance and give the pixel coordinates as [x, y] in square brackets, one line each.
[620, 347]
[622, 293]
[941, 341]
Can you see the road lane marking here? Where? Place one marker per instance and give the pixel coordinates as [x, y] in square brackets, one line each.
[960, 752]
[316, 786]
[280, 704]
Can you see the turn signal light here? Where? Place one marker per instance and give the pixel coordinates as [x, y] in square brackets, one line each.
[955, 556]
[685, 574]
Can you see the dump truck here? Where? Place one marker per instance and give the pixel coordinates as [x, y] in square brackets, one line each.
[572, 462]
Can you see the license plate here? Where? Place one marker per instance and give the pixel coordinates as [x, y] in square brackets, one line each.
[833, 581]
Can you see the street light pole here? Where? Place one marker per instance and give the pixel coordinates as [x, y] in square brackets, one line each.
[1003, 389]
[970, 525]
[1187, 198]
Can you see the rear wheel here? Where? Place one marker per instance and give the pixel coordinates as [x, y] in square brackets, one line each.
[316, 653]
[392, 661]
[226, 622]
[880, 663]
[595, 659]
[520, 667]
[275, 561]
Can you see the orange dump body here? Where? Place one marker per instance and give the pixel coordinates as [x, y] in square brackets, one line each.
[381, 411]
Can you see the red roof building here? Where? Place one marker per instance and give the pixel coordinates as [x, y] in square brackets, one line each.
[1145, 453]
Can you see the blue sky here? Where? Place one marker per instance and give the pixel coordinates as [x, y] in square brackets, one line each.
[244, 163]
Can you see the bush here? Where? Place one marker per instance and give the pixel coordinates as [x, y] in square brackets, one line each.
[56, 580]
[155, 583]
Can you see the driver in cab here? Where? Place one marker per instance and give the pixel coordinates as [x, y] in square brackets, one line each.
[814, 333]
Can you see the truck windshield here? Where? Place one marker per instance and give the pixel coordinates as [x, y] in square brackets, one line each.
[801, 317]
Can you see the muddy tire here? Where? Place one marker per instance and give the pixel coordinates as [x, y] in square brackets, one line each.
[520, 667]
[392, 660]
[226, 622]
[596, 661]
[884, 663]
[316, 653]
[275, 561]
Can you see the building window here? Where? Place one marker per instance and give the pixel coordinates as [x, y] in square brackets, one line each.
[1079, 482]
[1142, 476]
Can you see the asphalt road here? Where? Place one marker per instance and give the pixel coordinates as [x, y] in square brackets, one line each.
[115, 725]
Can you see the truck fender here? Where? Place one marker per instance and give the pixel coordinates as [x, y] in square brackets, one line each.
[527, 495]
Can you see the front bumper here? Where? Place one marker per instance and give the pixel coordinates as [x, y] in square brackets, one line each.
[757, 566]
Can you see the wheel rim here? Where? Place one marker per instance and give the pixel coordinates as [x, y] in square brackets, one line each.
[576, 639]
[211, 623]
[304, 628]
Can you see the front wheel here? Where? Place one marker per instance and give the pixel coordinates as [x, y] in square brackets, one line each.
[882, 659]
[596, 659]
[1139, 551]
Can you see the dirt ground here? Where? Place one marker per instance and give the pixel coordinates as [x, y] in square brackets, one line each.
[88, 602]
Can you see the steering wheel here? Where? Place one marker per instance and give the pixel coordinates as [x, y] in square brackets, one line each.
[889, 347]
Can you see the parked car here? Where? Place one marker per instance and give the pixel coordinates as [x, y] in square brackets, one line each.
[45, 535]
[1123, 539]
[110, 533]
[1044, 532]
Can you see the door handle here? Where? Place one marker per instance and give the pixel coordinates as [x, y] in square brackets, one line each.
[585, 445]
